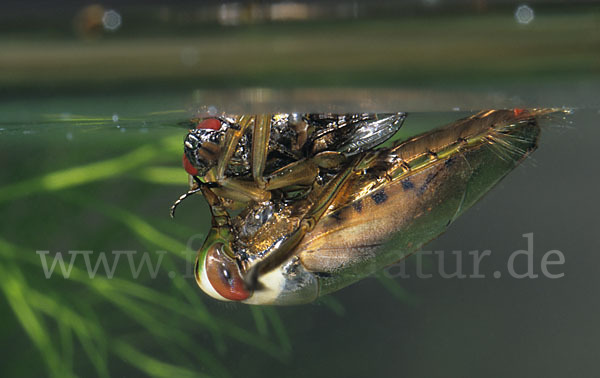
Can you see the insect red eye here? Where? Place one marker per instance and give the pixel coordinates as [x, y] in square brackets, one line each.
[189, 168]
[210, 123]
[224, 275]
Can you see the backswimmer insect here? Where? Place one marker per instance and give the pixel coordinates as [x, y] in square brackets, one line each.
[284, 250]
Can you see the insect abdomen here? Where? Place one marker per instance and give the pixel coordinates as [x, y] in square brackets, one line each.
[439, 175]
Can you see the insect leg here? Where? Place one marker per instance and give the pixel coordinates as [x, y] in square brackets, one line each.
[302, 172]
[246, 190]
[232, 137]
[260, 147]
[220, 217]
[326, 196]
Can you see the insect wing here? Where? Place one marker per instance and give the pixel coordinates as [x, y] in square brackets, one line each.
[371, 133]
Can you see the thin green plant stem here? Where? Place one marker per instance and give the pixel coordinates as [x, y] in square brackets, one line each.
[88, 173]
[88, 332]
[259, 319]
[104, 287]
[147, 232]
[333, 304]
[149, 365]
[141, 314]
[15, 289]
[279, 328]
[163, 175]
[394, 288]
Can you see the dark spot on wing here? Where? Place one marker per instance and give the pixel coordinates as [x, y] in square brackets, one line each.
[379, 197]
[428, 181]
[407, 184]
[337, 216]
[357, 205]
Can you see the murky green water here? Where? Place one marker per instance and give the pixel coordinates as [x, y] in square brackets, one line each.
[91, 167]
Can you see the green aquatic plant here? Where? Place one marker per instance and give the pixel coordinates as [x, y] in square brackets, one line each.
[113, 320]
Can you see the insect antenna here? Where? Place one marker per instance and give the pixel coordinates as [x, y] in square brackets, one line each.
[195, 190]
[181, 198]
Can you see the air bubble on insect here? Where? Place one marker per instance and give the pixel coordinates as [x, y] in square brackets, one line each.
[524, 14]
[206, 111]
[211, 110]
[256, 219]
[295, 117]
[111, 20]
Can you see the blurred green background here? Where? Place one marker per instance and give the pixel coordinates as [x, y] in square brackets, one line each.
[92, 98]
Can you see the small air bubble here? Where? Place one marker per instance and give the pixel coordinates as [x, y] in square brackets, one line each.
[456, 109]
[211, 110]
[115, 118]
[69, 136]
[111, 20]
[122, 129]
[524, 14]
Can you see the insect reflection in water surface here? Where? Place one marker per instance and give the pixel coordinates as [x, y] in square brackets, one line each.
[320, 197]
